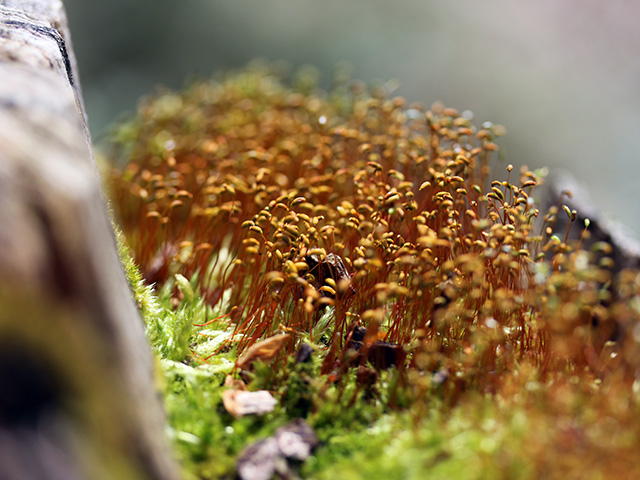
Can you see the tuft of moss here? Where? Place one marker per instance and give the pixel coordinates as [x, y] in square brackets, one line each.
[259, 208]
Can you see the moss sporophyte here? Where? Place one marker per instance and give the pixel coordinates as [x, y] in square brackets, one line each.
[402, 278]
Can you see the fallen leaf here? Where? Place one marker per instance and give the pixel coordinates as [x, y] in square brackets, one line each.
[265, 350]
[382, 355]
[330, 267]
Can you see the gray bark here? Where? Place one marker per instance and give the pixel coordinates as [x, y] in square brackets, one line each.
[77, 395]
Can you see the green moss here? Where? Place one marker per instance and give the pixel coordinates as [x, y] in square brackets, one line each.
[362, 437]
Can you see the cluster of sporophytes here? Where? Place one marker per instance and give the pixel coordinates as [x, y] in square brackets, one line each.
[375, 232]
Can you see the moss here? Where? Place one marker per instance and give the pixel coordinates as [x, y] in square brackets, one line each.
[257, 209]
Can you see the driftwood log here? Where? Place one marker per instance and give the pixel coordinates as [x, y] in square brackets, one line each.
[77, 394]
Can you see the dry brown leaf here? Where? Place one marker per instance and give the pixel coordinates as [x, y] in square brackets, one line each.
[265, 350]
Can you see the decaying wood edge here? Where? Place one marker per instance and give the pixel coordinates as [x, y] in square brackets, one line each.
[563, 189]
[66, 310]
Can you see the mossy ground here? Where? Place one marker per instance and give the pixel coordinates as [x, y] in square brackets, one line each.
[227, 192]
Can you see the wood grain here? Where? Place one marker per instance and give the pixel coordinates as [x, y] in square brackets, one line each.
[78, 396]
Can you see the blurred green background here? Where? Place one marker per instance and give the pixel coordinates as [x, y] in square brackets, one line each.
[562, 76]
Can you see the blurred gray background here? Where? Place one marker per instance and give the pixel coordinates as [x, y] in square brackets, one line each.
[562, 76]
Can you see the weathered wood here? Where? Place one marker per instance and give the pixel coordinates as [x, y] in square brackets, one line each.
[563, 189]
[77, 395]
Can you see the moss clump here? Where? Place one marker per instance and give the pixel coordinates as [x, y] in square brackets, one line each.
[259, 208]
